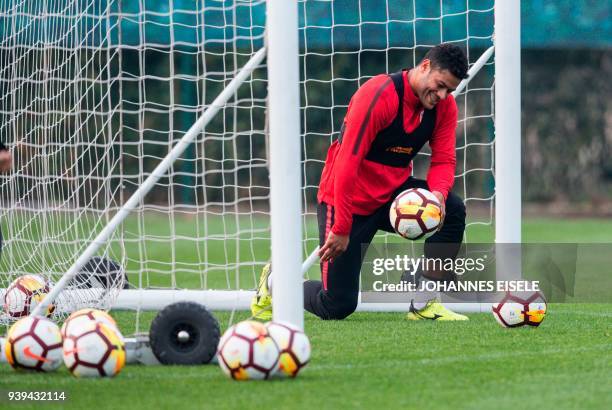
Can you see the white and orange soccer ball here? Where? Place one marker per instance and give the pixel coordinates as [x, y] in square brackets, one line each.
[24, 293]
[247, 352]
[34, 343]
[515, 311]
[415, 214]
[95, 350]
[78, 319]
[294, 347]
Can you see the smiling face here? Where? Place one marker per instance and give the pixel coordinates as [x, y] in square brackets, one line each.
[432, 85]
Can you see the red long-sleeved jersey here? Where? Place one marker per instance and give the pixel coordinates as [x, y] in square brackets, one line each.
[352, 183]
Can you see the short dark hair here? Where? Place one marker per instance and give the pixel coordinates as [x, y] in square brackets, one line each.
[449, 57]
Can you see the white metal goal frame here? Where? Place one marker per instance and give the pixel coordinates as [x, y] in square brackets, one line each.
[282, 50]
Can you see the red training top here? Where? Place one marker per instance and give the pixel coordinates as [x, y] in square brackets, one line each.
[355, 185]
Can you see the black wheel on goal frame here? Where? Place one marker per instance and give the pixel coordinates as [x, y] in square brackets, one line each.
[184, 333]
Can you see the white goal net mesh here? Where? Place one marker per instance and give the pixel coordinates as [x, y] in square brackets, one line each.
[94, 93]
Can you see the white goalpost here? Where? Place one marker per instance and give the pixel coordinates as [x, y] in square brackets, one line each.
[284, 129]
[186, 143]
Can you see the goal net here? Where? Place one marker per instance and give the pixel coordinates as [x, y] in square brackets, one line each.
[95, 93]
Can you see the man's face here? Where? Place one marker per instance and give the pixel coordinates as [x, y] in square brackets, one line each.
[432, 85]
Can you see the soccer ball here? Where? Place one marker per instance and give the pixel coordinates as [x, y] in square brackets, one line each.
[415, 214]
[294, 347]
[78, 319]
[247, 351]
[24, 293]
[515, 311]
[95, 350]
[34, 343]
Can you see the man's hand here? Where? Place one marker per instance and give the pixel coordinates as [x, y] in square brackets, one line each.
[334, 246]
[6, 161]
[442, 202]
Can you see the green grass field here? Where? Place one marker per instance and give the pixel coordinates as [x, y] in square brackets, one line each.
[380, 360]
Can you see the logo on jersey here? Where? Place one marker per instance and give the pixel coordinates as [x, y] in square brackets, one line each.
[400, 150]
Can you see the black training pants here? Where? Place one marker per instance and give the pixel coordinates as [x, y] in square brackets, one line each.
[335, 296]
